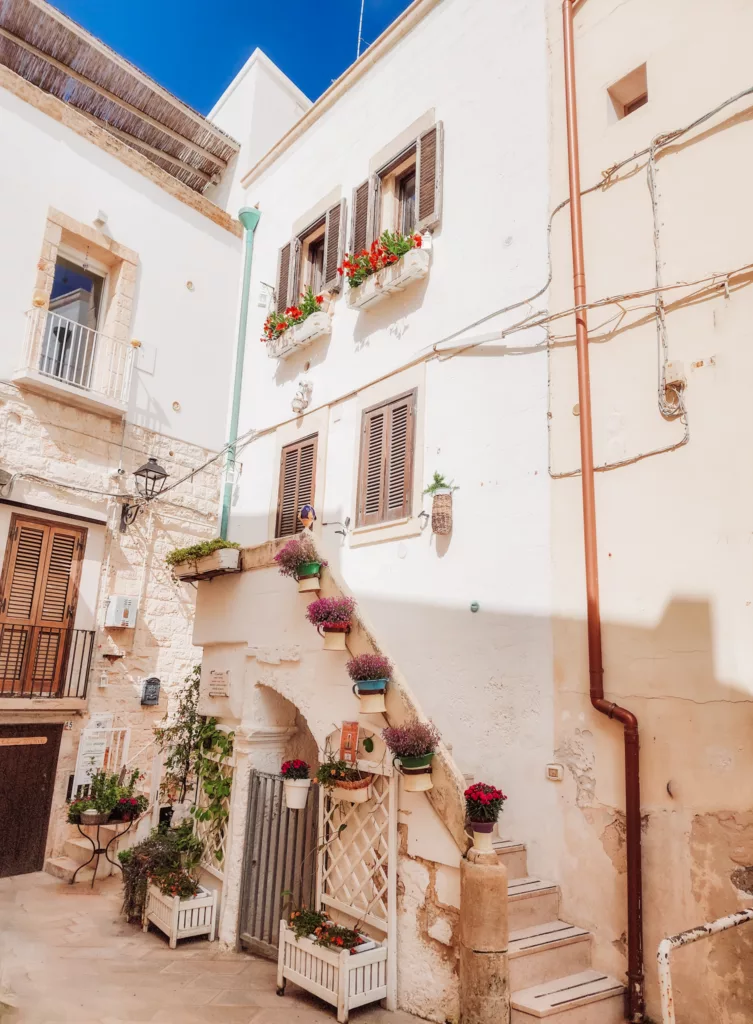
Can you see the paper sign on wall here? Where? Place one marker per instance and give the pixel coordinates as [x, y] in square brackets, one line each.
[219, 682]
[100, 721]
[349, 742]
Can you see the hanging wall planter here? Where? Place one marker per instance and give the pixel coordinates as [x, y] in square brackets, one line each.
[204, 561]
[299, 559]
[370, 674]
[483, 804]
[413, 746]
[344, 781]
[296, 783]
[441, 504]
[331, 616]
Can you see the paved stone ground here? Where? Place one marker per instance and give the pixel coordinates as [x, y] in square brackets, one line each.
[68, 957]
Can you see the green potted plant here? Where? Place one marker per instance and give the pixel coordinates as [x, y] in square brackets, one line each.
[483, 804]
[296, 783]
[300, 560]
[344, 781]
[370, 674]
[331, 616]
[441, 504]
[105, 790]
[209, 558]
[413, 745]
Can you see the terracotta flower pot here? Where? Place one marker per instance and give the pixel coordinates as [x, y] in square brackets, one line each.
[93, 817]
[441, 512]
[356, 792]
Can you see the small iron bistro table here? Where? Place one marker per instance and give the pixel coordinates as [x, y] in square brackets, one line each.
[98, 848]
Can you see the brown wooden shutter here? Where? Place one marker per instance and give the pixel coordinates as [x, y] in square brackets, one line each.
[375, 209]
[359, 217]
[297, 484]
[386, 462]
[295, 272]
[42, 569]
[429, 149]
[283, 279]
[334, 245]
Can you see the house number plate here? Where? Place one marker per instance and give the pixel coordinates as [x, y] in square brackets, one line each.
[22, 741]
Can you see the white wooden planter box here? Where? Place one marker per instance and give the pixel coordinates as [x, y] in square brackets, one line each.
[346, 980]
[221, 560]
[318, 325]
[178, 918]
[414, 265]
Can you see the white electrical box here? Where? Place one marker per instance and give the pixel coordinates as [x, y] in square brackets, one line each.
[121, 612]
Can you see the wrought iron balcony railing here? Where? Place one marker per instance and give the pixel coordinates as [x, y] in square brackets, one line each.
[44, 661]
[86, 360]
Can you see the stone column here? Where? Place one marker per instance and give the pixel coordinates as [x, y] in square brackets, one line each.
[262, 748]
[484, 972]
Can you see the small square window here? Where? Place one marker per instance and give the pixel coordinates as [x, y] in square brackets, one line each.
[398, 193]
[630, 93]
[312, 258]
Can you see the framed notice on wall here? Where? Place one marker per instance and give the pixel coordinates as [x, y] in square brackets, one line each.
[349, 742]
[219, 682]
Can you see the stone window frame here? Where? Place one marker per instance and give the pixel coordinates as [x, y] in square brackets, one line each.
[122, 263]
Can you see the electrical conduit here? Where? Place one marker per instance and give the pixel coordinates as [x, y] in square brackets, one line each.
[249, 218]
[636, 1000]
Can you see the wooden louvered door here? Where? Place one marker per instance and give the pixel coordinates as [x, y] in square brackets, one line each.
[386, 463]
[37, 604]
[297, 484]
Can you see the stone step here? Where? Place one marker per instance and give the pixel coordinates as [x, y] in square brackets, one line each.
[512, 855]
[80, 851]
[64, 867]
[589, 997]
[547, 951]
[531, 900]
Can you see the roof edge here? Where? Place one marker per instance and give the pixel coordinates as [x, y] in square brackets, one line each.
[82, 125]
[392, 35]
[258, 56]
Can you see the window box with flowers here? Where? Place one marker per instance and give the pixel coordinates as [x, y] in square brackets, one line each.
[389, 265]
[180, 907]
[298, 326]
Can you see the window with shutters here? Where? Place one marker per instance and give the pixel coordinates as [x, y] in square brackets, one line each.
[385, 473]
[404, 195]
[311, 259]
[38, 595]
[297, 484]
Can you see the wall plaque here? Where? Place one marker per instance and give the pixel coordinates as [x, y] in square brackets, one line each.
[349, 742]
[22, 741]
[219, 682]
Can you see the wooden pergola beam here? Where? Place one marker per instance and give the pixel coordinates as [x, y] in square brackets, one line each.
[218, 161]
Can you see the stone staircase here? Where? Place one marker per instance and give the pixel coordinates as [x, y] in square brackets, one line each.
[550, 960]
[77, 851]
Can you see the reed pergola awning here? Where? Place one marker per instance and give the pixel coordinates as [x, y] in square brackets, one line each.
[52, 52]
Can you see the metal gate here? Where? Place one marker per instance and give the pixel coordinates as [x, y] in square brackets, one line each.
[279, 858]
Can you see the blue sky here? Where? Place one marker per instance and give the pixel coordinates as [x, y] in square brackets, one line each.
[195, 48]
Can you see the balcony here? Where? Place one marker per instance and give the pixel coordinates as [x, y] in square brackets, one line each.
[39, 664]
[66, 358]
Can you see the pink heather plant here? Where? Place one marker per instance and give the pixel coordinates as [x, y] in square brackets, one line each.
[296, 552]
[331, 611]
[369, 666]
[414, 739]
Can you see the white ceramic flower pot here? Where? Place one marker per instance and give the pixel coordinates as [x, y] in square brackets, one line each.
[296, 793]
[307, 584]
[334, 641]
[417, 783]
[482, 840]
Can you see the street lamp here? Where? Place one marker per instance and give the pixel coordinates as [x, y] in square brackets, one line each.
[150, 480]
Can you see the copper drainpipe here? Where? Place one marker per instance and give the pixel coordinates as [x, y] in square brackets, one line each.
[635, 994]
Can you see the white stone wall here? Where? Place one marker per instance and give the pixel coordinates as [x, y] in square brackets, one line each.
[485, 678]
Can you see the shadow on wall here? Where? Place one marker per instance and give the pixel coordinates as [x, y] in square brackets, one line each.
[508, 690]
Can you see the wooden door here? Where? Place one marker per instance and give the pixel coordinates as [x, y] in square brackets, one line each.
[28, 759]
[38, 596]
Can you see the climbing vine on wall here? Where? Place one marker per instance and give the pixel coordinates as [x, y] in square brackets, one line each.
[213, 752]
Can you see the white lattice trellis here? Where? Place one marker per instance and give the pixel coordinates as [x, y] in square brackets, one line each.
[214, 837]
[357, 865]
